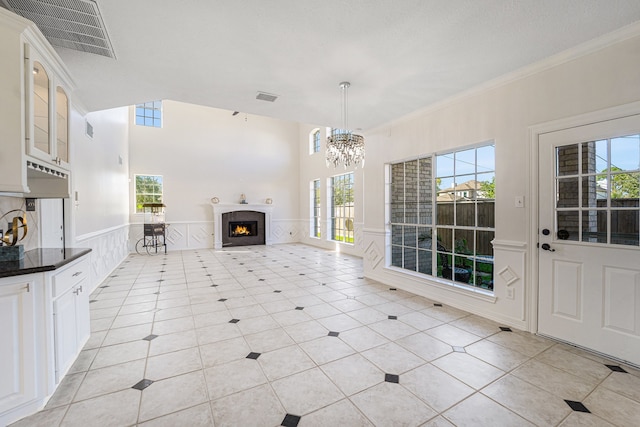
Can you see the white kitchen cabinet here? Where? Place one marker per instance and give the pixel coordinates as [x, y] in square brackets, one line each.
[21, 344]
[44, 323]
[71, 327]
[34, 112]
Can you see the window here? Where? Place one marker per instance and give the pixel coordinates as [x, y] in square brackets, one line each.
[342, 208]
[149, 114]
[148, 190]
[315, 208]
[447, 198]
[314, 141]
[598, 191]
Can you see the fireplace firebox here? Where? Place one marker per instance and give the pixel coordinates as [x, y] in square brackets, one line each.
[243, 228]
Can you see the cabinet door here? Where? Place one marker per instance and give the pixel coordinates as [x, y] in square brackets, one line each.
[64, 329]
[83, 327]
[18, 345]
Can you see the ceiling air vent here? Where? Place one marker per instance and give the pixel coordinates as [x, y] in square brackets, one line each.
[72, 24]
[263, 96]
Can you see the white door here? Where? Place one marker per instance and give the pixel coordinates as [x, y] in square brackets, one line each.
[589, 256]
[51, 223]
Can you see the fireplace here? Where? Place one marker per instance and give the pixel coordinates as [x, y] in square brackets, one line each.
[221, 220]
[243, 228]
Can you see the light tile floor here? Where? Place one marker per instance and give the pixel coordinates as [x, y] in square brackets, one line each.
[294, 335]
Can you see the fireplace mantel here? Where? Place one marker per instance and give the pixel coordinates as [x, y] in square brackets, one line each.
[220, 208]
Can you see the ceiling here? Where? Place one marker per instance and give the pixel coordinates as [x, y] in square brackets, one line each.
[399, 55]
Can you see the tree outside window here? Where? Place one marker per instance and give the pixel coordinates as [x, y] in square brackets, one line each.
[148, 190]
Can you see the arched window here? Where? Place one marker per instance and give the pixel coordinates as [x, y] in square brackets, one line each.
[314, 141]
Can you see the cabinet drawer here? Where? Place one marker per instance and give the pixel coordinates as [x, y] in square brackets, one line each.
[69, 277]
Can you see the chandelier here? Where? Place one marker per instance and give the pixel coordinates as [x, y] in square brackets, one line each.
[343, 146]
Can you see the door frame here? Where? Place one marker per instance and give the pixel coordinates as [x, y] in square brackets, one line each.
[533, 291]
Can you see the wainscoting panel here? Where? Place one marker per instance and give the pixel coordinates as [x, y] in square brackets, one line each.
[108, 249]
[504, 305]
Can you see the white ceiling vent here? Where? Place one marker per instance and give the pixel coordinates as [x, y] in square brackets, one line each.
[72, 24]
[263, 96]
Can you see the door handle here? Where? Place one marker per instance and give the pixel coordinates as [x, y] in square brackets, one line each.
[547, 247]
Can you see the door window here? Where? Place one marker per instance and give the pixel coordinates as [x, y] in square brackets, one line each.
[597, 191]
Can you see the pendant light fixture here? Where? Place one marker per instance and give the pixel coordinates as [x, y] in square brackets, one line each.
[343, 146]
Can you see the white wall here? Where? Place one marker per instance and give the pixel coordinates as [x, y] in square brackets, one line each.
[99, 218]
[203, 152]
[502, 113]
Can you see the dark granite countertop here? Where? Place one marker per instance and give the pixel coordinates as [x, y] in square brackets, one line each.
[41, 259]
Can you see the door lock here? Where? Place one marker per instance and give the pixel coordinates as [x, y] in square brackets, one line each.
[547, 247]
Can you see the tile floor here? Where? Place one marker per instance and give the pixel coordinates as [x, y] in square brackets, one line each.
[294, 335]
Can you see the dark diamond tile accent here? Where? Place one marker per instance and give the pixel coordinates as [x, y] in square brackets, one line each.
[437, 304]
[392, 317]
[299, 308]
[222, 299]
[249, 271]
[93, 300]
[204, 267]
[234, 320]
[150, 337]
[360, 277]
[286, 266]
[260, 280]
[105, 286]
[162, 271]
[290, 420]
[577, 406]
[505, 329]
[277, 292]
[324, 284]
[459, 349]
[214, 286]
[209, 275]
[253, 355]
[115, 275]
[301, 274]
[616, 368]
[393, 289]
[142, 384]
[392, 378]
[242, 263]
[333, 334]
[161, 280]
[156, 293]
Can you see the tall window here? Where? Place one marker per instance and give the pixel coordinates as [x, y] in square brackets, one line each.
[148, 190]
[149, 114]
[342, 208]
[315, 208]
[314, 141]
[461, 193]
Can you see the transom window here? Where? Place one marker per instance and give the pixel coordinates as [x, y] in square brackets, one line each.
[149, 114]
[342, 208]
[447, 198]
[148, 190]
[597, 191]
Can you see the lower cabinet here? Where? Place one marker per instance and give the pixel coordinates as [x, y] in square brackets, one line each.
[44, 323]
[70, 316]
[20, 344]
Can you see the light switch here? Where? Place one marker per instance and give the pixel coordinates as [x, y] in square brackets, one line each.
[519, 202]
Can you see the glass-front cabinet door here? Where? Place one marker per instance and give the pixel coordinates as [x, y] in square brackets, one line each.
[47, 112]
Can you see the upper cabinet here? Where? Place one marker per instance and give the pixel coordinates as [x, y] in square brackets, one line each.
[47, 105]
[35, 110]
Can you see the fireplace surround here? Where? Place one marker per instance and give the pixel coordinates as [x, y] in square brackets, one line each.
[240, 213]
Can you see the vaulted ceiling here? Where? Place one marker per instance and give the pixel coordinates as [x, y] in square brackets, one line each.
[399, 55]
